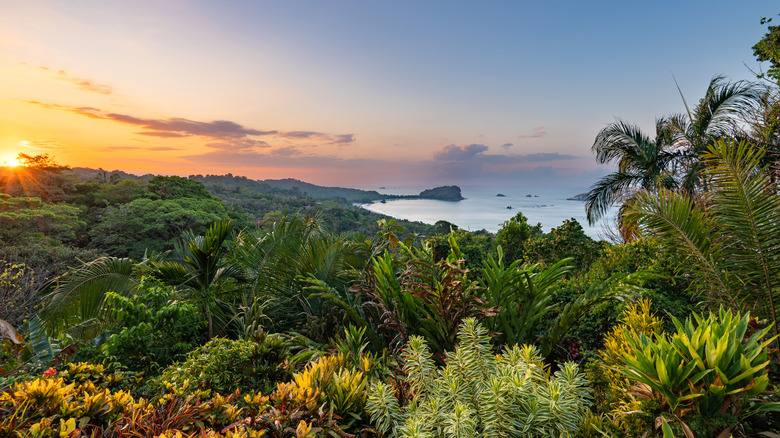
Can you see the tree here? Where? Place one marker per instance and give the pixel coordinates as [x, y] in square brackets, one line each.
[768, 49]
[567, 240]
[514, 233]
[131, 229]
[203, 268]
[732, 236]
[717, 115]
[171, 187]
[643, 164]
[24, 219]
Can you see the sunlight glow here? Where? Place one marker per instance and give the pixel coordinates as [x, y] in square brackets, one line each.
[11, 162]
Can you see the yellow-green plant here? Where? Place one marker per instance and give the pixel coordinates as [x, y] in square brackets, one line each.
[709, 366]
[479, 394]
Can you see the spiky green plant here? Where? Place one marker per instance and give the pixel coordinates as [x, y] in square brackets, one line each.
[479, 394]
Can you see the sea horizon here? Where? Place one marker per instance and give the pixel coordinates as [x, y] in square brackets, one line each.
[483, 208]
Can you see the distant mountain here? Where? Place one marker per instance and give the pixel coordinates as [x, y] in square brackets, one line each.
[321, 192]
[580, 197]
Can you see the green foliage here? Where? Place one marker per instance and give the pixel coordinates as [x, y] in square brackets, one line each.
[421, 297]
[566, 240]
[172, 187]
[78, 300]
[154, 328]
[709, 366]
[19, 293]
[224, 366]
[25, 219]
[132, 229]
[667, 290]
[513, 235]
[524, 297]
[731, 237]
[479, 394]
[768, 49]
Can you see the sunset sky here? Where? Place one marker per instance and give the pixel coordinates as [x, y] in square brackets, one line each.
[356, 93]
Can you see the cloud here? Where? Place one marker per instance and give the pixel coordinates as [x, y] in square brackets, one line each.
[471, 162]
[458, 153]
[343, 139]
[318, 136]
[228, 135]
[288, 151]
[539, 132]
[300, 134]
[42, 144]
[506, 145]
[121, 148]
[163, 148]
[83, 84]
[239, 144]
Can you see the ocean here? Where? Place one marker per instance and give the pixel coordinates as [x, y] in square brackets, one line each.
[482, 209]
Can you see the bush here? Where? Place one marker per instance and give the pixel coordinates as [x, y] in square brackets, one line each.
[224, 366]
[153, 329]
[479, 394]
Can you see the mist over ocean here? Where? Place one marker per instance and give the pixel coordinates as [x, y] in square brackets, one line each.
[482, 209]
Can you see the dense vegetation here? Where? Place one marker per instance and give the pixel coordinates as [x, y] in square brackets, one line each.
[219, 306]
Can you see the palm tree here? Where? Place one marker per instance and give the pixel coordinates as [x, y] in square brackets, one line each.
[718, 114]
[643, 164]
[731, 236]
[203, 267]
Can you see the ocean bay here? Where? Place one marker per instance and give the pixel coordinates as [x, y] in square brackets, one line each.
[483, 209]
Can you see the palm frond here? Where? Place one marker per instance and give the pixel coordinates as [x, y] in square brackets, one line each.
[79, 294]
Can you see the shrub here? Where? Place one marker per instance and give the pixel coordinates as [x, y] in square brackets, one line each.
[478, 394]
[224, 366]
[704, 371]
[611, 387]
[154, 329]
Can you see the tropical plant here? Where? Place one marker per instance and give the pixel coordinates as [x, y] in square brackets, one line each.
[643, 163]
[672, 160]
[717, 115]
[732, 236]
[479, 394]
[152, 329]
[203, 268]
[709, 366]
[523, 297]
[281, 264]
[612, 389]
[78, 299]
[224, 366]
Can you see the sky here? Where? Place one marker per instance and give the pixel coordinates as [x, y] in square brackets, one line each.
[356, 93]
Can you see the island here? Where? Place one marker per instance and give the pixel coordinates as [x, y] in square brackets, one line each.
[444, 193]
[580, 197]
[501, 195]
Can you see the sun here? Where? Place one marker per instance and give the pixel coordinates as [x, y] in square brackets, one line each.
[11, 162]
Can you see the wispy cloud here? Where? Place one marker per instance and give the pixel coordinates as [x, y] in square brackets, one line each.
[506, 145]
[42, 144]
[539, 132]
[81, 83]
[225, 134]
